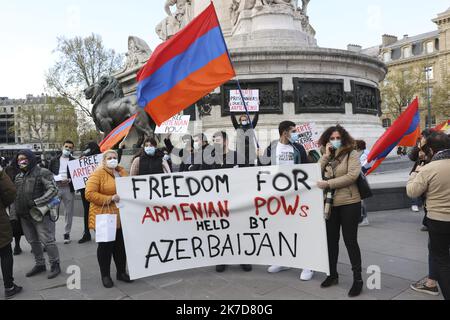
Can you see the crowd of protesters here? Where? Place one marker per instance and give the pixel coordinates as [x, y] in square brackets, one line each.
[25, 185]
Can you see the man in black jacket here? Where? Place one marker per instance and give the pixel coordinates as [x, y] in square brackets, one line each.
[36, 188]
[59, 166]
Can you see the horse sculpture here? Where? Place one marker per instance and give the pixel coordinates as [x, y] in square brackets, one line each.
[111, 108]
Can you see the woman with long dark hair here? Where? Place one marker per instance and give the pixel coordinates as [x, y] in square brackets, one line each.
[341, 168]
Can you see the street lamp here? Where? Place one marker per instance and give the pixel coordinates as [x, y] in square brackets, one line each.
[427, 71]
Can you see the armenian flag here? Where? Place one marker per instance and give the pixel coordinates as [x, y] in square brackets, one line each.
[404, 132]
[117, 134]
[444, 127]
[185, 68]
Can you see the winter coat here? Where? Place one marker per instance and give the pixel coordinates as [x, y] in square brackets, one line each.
[7, 196]
[100, 188]
[347, 168]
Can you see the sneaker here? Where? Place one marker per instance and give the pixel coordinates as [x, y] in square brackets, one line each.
[54, 271]
[424, 229]
[415, 208]
[364, 223]
[276, 269]
[422, 287]
[306, 275]
[247, 267]
[11, 293]
[67, 239]
[35, 271]
[221, 268]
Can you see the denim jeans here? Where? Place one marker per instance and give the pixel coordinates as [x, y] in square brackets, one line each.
[38, 234]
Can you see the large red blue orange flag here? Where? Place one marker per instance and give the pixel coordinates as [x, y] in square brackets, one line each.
[405, 131]
[117, 134]
[185, 68]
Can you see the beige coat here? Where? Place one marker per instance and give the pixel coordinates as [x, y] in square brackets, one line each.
[346, 174]
[433, 181]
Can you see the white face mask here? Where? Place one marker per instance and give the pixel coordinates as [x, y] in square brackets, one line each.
[112, 164]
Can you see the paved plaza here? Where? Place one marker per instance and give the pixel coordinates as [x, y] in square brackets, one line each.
[393, 242]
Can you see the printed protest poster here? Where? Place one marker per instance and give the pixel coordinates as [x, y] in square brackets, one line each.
[261, 216]
[176, 124]
[309, 136]
[251, 99]
[81, 170]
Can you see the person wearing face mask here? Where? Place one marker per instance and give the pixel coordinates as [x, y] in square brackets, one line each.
[149, 161]
[91, 149]
[433, 181]
[102, 195]
[225, 159]
[286, 151]
[341, 168]
[186, 153]
[203, 157]
[36, 187]
[245, 139]
[59, 166]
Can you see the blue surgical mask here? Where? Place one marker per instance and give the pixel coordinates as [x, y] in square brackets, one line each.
[66, 153]
[294, 137]
[150, 151]
[336, 144]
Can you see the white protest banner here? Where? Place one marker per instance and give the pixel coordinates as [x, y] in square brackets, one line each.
[259, 215]
[309, 136]
[176, 124]
[251, 99]
[81, 170]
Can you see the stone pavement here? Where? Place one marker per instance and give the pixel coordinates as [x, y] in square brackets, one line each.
[393, 242]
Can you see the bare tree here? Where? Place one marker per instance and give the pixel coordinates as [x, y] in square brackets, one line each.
[81, 62]
[53, 122]
[400, 87]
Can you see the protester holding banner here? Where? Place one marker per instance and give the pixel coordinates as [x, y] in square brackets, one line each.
[341, 168]
[101, 193]
[286, 151]
[150, 160]
[59, 166]
[186, 153]
[225, 159]
[36, 188]
[91, 149]
[245, 138]
[433, 181]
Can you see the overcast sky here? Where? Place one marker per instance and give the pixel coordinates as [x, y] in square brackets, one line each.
[28, 29]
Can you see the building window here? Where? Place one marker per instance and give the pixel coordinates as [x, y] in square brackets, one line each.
[429, 73]
[430, 47]
[406, 52]
[387, 123]
[12, 109]
[387, 56]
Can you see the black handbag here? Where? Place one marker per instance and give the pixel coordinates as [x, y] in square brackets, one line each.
[363, 184]
[363, 187]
